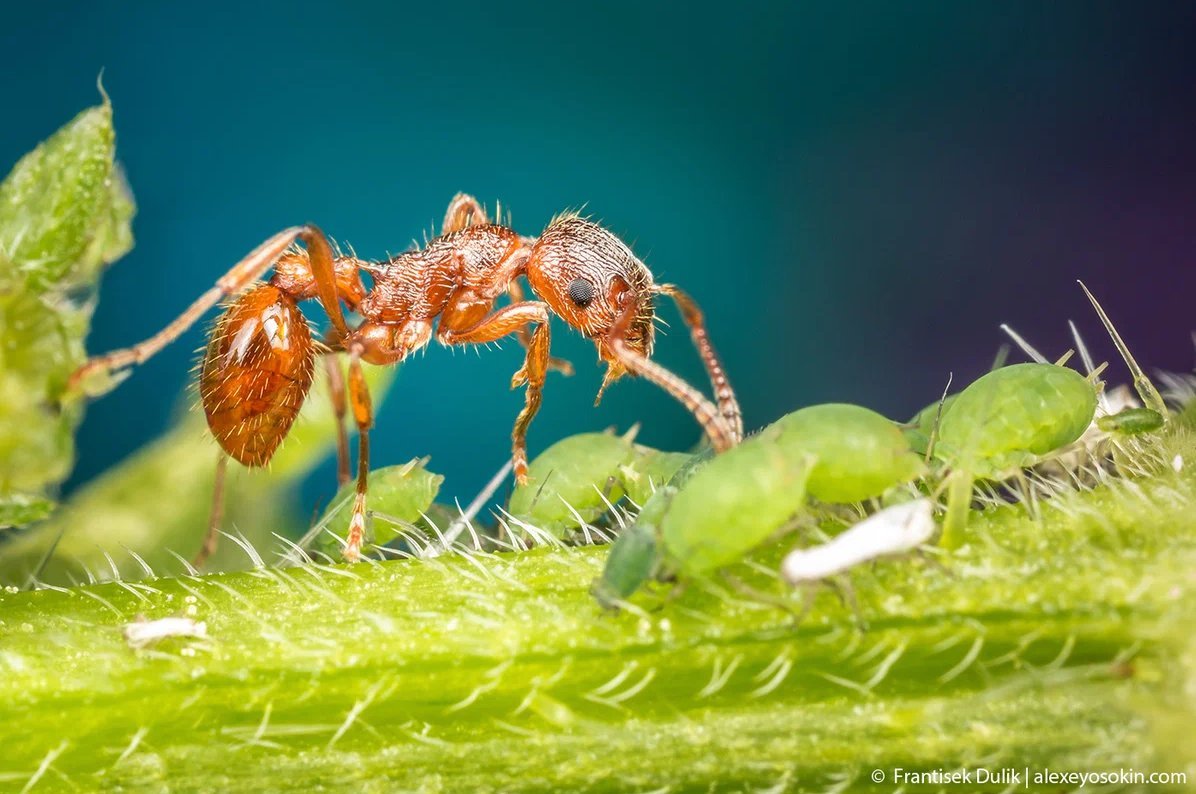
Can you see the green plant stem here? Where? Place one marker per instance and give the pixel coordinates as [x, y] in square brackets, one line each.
[1064, 641]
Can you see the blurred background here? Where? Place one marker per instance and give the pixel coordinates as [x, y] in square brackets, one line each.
[857, 196]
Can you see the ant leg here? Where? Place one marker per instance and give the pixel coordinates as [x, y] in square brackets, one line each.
[336, 390]
[363, 415]
[504, 322]
[728, 405]
[722, 436]
[463, 211]
[215, 517]
[525, 337]
[241, 275]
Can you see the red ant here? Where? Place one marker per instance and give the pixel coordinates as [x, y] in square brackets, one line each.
[260, 358]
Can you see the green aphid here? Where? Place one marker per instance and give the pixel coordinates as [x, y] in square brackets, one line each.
[710, 518]
[649, 470]
[919, 430]
[583, 472]
[1131, 421]
[399, 496]
[1007, 420]
[734, 503]
[857, 453]
[634, 557]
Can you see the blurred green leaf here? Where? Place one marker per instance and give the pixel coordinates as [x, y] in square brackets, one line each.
[65, 213]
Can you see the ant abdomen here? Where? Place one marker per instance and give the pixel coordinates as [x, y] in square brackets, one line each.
[256, 373]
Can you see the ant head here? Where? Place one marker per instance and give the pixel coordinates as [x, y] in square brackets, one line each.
[592, 281]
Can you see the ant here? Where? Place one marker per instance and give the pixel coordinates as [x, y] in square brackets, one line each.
[261, 356]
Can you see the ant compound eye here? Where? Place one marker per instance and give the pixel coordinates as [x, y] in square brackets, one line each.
[581, 292]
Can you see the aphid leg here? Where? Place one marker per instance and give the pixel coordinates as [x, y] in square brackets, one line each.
[215, 517]
[1146, 389]
[463, 211]
[506, 321]
[722, 435]
[846, 593]
[759, 596]
[242, 274]
[959, 502]
[363, 415]
[336, 391]
[515, 289]
[728, 405]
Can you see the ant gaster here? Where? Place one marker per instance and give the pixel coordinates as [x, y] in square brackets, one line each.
[261, 356]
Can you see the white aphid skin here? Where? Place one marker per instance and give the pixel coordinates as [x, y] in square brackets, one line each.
[1177, 463]
[894, 530]
[141, 633]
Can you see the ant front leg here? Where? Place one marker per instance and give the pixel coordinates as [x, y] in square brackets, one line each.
[515, 289]
[508, 320]
[721, 433]
[728, 405]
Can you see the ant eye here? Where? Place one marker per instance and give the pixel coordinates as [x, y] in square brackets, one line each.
[581, 292]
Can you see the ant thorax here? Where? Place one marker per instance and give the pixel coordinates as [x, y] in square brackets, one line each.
[420, 284]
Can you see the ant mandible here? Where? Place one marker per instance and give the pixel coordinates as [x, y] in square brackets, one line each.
[260, 359]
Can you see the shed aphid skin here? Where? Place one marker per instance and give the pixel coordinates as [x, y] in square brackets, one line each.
[894, 530]
[261, 356]
[142, 633]
[1004, 422]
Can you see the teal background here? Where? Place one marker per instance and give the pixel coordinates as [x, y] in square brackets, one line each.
[856, 194]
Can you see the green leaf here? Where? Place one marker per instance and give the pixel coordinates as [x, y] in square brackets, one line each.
[65, 213]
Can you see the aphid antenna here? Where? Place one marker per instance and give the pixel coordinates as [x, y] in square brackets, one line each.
[1026, 347]
[938, 416]
[1146, 389]
[1000, 358]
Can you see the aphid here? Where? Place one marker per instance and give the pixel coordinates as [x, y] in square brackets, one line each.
[650, 470]
[1131, 421]
[857, 454]
[634, 557]
[894, 530]
[1004, 422]
[261, 356]
[582, 472]
[141, 633]
[734, 502]
[837, 453]
[399, 495]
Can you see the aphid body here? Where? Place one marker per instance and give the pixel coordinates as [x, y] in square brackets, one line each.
[1005, 421]
[857, 454]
